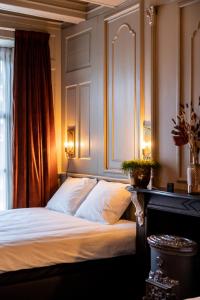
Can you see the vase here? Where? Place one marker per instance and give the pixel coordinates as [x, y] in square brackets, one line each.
[193, 178]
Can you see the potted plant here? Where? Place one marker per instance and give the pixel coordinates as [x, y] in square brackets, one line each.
[139, 171]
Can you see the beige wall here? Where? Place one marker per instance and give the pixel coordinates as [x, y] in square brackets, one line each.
[106, 49]
[163, 81]
[162, 72]
[7, 25]
[177, 77]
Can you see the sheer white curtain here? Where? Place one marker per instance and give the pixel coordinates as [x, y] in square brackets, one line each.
[6, 77]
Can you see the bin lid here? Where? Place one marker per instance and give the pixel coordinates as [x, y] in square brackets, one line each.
[172, 243]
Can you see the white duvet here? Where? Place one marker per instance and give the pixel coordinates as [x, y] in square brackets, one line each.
[36, 237]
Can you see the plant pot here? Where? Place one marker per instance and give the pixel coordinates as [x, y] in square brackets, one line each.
[140, 177]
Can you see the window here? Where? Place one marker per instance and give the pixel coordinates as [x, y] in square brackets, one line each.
[6, 71]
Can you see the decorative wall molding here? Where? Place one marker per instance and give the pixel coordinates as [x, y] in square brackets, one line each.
[77, 112]
[71, 113]
[84, 120]
[150, 14]
[122, 64]
[82, 76]
[126, 26]
[116, 65]
[78, 51]
[71, 105]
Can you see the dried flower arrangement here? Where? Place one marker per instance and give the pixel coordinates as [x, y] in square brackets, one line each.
[187, 130]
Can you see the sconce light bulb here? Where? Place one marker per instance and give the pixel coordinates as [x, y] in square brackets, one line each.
[146, 145]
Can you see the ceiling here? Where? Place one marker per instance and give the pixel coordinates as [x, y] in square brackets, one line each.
[71, 11]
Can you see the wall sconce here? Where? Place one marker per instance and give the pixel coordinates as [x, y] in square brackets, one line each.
[146, 143]
[70, 144]
[146, 150]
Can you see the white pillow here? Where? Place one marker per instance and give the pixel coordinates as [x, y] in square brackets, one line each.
[105, 203]
[71, 194]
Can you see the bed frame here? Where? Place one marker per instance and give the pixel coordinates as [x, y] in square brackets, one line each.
[94, 279]
[98, 279]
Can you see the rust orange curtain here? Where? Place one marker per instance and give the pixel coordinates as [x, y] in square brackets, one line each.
[34, 151]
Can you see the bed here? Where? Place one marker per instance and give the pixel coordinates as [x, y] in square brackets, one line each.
[50, 254]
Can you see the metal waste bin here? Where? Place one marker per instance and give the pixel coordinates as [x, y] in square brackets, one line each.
[172, 274]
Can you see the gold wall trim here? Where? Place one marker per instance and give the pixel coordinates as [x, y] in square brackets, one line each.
[115, 39]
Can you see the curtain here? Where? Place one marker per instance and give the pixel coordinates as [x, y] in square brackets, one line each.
[6, 72]
[34, 151]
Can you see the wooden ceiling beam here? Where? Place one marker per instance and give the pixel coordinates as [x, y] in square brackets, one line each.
[108, 3]
[44, 10]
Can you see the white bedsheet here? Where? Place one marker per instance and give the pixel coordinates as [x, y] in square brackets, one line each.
[36, 237]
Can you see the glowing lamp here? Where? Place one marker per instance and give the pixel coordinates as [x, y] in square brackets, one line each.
[70, 143]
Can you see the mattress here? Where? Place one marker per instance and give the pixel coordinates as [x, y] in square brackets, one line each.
[38, 237]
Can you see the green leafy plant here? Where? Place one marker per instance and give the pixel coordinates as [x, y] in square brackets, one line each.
[139, 171]
[130, 165]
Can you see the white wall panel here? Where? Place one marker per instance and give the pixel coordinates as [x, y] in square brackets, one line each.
[123, 89]
[195, 65]
[78, 51]
[112, 65]
[123, 93]
[177, 81]
[84, 120]
[167, 49]
[79, 76]
[190, 69]
[70, 108]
